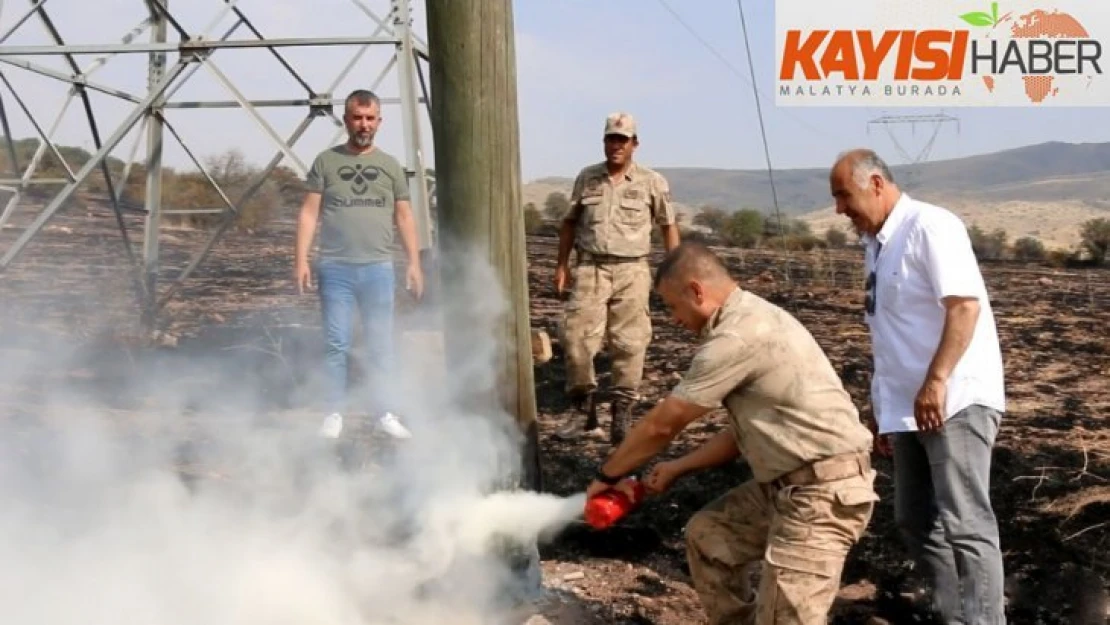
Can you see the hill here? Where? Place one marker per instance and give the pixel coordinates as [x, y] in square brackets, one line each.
[1044, 190]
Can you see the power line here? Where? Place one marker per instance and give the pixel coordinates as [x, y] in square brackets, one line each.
[762, 127]
[748, 78]
[708, 46]
[724, 61]
[912, 160]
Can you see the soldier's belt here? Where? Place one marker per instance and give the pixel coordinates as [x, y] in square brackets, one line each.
[827, 470]
[601, 259]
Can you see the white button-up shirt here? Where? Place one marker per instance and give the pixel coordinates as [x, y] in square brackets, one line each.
[921, 255]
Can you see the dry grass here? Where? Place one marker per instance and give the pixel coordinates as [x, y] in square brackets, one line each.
[1056, 224]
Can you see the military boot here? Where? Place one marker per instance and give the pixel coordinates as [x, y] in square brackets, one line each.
[621, 411]
[582, 419]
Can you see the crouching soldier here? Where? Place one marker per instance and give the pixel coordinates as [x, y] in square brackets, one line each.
[812, 494]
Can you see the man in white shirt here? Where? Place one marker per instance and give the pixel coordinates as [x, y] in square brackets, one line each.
[937, 389]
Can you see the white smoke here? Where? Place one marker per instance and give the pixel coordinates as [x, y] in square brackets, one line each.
[98, 526]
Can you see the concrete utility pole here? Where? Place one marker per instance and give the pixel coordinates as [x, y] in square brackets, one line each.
[478, 200]
[478, 196]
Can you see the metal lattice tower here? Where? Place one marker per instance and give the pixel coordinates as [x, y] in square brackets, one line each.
[933, 122]
[175, 55]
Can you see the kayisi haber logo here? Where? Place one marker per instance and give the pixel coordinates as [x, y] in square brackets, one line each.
[1041, 48]
[989, 57]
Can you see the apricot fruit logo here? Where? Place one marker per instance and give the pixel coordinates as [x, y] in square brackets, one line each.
[1046, 48]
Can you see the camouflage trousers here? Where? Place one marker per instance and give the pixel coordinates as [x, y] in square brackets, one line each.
[800, 535]
[607, 301]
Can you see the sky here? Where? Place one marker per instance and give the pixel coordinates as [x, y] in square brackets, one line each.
[679, 67]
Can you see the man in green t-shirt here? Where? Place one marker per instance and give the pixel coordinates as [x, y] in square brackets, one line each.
[356, 193]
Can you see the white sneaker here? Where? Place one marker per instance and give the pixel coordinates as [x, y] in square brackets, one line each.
[332, 426]
[390, 424]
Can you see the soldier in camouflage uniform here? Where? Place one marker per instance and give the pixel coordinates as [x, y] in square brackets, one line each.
[613, 208]
[812, 492]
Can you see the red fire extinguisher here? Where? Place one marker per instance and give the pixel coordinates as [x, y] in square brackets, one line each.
[608, 507]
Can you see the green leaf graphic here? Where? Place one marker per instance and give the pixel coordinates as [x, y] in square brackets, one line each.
[994, 12]
[978, 18]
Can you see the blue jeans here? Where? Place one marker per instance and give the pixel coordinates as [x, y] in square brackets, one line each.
[942, 507]
[370, 287]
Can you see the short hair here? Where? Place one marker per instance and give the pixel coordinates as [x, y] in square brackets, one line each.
[362, 97]
[691, 259]
[865, 163]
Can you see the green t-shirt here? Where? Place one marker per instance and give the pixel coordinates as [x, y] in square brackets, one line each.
[356, 206]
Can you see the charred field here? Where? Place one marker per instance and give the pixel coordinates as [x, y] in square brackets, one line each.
[1051, 471]
[1051, 466]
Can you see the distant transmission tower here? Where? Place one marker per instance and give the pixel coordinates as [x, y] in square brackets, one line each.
[912, 160]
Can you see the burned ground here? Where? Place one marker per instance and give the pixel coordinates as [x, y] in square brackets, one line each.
[1051, 465]
[1051, 478]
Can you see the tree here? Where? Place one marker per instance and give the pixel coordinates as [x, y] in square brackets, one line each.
[977, 236]
[235, 176]
[556, 205]
[800, 228]
[1095, 238]
[229, 169]
[744, 228]
[1029, 249]
[836, 237]
[987, 246]
[711, 217]
[771, 226]
[533, 220]
[997, 243]
[290, 186]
